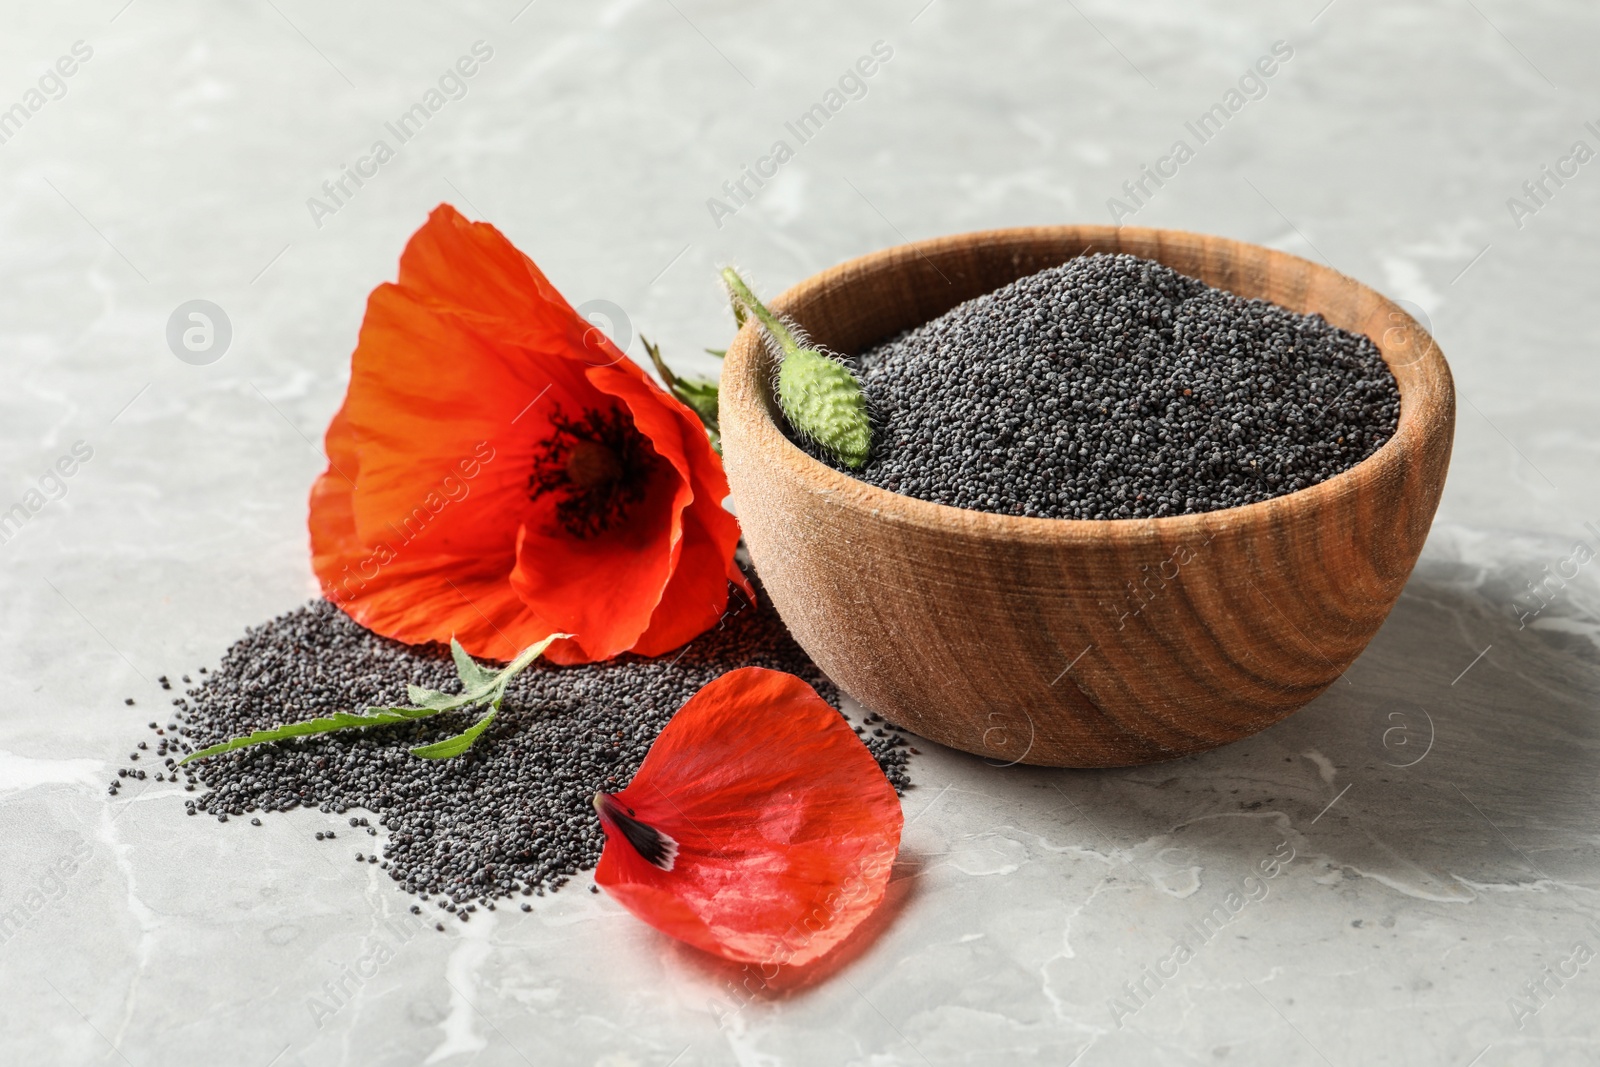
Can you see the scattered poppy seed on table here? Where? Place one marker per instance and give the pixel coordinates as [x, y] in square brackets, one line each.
[513, 814]
[1112, 387]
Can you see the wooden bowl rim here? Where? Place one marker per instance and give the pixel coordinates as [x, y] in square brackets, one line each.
[1424, 413]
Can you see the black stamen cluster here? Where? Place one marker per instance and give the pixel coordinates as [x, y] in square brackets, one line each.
[590, 507]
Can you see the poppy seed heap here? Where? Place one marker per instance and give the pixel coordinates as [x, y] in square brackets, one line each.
[1112, 387]
[512, 815]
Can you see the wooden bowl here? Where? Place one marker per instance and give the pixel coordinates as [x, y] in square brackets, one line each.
[1067, 642]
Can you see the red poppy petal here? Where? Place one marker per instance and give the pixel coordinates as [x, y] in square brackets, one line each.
[431, 401]
[785, 826]
[602, 588]
[332, 520]
[710, 490]
[696, 597]
[471, 268]
[435, 598]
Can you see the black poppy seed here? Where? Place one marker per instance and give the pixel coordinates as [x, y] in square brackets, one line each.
[514, 815]
[255, 822]
[1112, 387]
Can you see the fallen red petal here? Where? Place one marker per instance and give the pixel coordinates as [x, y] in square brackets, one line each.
[781, 828]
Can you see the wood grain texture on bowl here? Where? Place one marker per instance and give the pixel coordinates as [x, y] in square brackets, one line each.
[1069, 642]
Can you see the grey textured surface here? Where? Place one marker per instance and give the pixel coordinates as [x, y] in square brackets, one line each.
[1420, 900]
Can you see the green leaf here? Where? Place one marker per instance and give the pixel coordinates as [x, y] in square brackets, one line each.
[437, 701]
[454, 746]
[701, 396]
[525, 657]
[485, 687]
[344, 720]
[720, 353]
[472, 675]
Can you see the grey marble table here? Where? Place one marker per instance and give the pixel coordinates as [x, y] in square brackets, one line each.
[1429, 824]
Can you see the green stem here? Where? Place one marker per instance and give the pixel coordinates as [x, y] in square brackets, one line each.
[774, 325]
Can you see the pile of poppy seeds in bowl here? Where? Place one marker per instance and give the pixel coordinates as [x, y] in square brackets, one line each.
[1112, 387]
[513, 814]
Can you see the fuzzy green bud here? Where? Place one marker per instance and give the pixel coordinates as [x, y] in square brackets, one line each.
[823, 400]
[819, 395]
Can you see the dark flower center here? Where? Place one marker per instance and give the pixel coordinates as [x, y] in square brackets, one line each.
[598, 465]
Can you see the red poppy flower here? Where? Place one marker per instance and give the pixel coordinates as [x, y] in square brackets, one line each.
[500, 471]
[758, 828]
